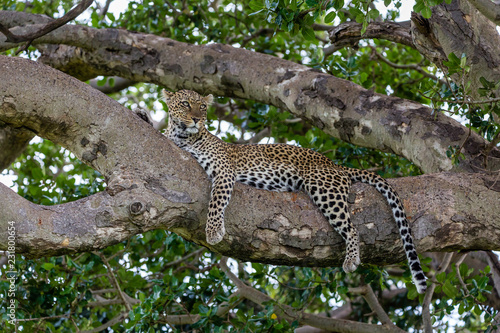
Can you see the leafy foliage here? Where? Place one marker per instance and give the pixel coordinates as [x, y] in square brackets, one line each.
[158, 272]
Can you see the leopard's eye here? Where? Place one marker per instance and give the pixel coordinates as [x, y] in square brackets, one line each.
[185, 103]
[203, 106]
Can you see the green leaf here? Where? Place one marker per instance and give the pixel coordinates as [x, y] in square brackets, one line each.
[453, 58]
[256, 5]
[412, 291]
[330, 17]
[203, 310]
[463, 61]
[308, 33]
[426, 12]
[48, 266]
[110, 16]
[363, 77]
[373, 14]
[387, 2]
[450, 290]
[441, 277]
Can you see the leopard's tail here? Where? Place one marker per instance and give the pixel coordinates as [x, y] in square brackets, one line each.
[399, 215]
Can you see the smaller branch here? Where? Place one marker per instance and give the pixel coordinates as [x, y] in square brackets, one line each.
[188, 319]
[462, 101]
[426, 315]
[367, 292]
[349, 34]
[103, 291]
[258, 33]
[110, 323]
[178, 261]
[104, 10]
[464, 286]
[257, 137]
[101, 301]
[321, 27]
[71, 15]
[459, 261]
[114, 280]
[43, 318]
[412, 66]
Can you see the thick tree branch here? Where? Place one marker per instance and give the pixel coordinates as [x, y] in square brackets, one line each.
[488, 8]
[341, 108]
[147, 190]
[459, 28]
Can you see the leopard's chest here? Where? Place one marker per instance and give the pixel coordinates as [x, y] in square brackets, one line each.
[208, 162]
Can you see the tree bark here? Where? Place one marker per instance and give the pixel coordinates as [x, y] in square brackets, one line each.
[153, 184]
[338, 107]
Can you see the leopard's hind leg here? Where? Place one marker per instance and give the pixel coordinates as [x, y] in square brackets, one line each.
[330, 195]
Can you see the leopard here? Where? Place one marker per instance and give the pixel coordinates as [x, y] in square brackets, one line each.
[278, 167]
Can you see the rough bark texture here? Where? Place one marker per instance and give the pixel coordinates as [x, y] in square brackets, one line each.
[460, 28]
[349, 33]
[340, 108]
[148, 190]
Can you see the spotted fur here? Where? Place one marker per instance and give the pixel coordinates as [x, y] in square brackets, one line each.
[278, 167]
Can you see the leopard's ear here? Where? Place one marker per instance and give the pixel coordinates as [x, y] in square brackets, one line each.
[208, 99]
[167, 95]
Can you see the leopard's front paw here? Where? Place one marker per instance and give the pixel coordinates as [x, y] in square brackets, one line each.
[214, 235]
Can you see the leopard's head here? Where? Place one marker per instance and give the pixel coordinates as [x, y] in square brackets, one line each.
[187, 109]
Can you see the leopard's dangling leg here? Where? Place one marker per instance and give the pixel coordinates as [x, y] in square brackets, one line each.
[222, 188]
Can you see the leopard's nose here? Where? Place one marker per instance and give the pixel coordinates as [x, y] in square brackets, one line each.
[196, 120]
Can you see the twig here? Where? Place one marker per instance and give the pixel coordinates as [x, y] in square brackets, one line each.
[493, 143]
[178, 261]
[367, 292]
[104, 10]
[464, 286]
[71, 15]
[110, 323]
[114, 281]
[411, 66]
[426, 315]
[462, 101]
[258, 33]
[188, 319]
[43, 318]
